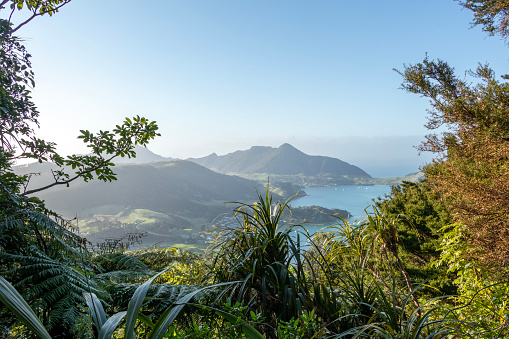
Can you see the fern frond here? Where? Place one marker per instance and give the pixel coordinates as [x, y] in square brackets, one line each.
[52, 285]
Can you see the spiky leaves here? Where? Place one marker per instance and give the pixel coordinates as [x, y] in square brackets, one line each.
[278, 277]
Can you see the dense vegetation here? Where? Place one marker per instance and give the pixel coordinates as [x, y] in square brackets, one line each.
[428, 261]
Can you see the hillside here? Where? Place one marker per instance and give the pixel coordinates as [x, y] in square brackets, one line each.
[412, 177]
[285, 160]
[170, 187]
[173, 201]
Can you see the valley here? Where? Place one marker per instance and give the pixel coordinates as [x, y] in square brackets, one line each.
[170, 202]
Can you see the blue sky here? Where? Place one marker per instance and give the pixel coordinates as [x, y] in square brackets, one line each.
[225, 75]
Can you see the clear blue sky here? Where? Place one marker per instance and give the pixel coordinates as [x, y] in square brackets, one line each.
[225, 75]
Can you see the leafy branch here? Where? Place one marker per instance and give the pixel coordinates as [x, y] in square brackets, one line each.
[36, 7]
[105, 147]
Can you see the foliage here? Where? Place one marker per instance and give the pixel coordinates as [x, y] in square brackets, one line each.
[471, 172]
[15, 302]
[45, 259]
[419, 245]
[483, 298]
[392, 319]
[106, 326]
[308, 325]
[265, 258]
[376, 303]
[493, 15]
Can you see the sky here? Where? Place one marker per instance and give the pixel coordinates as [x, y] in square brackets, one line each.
[224, 75]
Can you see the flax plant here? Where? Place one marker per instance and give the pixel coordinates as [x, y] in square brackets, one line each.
[268, 260]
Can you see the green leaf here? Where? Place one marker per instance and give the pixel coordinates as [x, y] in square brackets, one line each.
[134, 307]
[248, 330]
[111, 325]
[15, 302]
[168, 317]
[146, 320]
[96, 310]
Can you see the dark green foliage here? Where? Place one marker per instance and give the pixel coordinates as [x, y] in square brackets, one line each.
[267, 261]
[423, 210]
[393, 318]
[51, 285]
[419, 240]
[47, 262]
[44, 258]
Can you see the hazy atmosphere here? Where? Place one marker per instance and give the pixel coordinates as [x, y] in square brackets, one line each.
[229, 169]
[317, 75]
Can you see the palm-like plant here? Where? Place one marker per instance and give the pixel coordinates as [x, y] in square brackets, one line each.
[266, 258]
[106, 326]
[391, 319]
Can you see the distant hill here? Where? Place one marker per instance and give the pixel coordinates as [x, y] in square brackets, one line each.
[175, 187]
[412, 177]
[284, 160]
[143, 155]
[42, 171]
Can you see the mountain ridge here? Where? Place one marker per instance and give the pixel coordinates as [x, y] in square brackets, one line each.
[283, 160]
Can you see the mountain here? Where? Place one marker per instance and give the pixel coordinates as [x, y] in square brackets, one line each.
[143, 155]
[284, 160]
[41, 172]
[174, 187]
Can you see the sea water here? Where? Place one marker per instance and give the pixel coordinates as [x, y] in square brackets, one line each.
[354, 199]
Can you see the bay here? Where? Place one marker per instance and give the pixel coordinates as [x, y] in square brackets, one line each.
[354, 199]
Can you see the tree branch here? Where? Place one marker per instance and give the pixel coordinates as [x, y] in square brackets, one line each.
[64, 182]
[12, 12]
[473, 297]
[24, 23]
[39, 14]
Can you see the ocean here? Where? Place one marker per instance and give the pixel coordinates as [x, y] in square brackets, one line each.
[354, 199]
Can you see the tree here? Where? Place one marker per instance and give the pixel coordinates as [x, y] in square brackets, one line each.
[39, 250]
[35, 7]
[493, 15]
[419, 243]
[471, 171]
